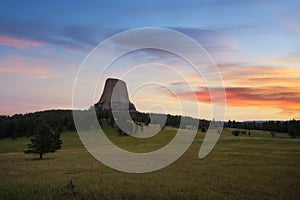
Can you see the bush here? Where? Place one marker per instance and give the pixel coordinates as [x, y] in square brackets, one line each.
[236, 132]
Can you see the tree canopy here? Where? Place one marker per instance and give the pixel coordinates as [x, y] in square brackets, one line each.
[44, 141]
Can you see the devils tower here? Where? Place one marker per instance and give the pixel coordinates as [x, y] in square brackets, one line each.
[114, 95]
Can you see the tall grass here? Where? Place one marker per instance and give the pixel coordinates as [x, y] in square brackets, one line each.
[256, 167]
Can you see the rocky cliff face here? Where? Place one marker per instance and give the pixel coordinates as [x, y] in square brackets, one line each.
[114, 95]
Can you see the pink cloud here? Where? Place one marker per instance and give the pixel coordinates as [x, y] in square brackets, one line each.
[19, 43]
[22, 66]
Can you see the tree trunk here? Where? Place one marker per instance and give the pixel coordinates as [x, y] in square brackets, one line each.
[41, 156]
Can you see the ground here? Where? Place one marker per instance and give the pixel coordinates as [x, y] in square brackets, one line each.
[243, 167]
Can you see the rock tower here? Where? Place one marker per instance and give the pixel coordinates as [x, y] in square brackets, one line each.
[114, 95]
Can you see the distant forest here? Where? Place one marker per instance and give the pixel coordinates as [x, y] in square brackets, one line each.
[62, 120]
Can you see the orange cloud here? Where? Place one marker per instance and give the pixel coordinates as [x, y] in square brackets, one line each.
[271, 81]
[260, 76]
[245, 72]
[283, 98]
[18, 43]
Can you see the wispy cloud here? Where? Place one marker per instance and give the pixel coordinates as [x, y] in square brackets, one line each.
[17, 33]
[212, 40]
[25, 67]
[258, 86]
[259, 75]
[18, 43]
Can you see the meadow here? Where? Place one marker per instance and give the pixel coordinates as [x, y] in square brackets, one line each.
[243, 167]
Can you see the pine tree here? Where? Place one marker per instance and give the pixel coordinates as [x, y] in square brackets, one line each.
[44, 141]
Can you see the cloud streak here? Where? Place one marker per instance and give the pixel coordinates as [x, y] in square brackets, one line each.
[21, 32]
[24, 67]
[212, 41]
[18, 43]
[258, 86]
[259, 75]
[284, 98]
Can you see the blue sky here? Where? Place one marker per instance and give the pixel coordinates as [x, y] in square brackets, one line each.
[43, 43]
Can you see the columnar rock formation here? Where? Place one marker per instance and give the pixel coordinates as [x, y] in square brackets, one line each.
[114, 95]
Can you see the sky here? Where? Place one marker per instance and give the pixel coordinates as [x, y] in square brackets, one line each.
[255, 45]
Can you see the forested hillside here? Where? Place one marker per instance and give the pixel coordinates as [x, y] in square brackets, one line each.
[62, 120]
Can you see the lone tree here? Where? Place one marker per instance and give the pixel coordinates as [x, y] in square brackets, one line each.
[44, 141]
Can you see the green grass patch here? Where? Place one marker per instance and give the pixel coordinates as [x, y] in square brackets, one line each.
[243, 167]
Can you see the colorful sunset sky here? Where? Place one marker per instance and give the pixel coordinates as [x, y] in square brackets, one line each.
[255, 44]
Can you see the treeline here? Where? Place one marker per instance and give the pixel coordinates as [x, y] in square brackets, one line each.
[143, 119]
[292, 127]
[25, 125]
[62, 120]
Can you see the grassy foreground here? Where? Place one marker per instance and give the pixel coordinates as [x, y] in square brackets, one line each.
[256, 167]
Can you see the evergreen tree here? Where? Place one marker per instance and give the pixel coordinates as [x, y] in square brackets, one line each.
[203, 129]
[44, 141]
[293, 131]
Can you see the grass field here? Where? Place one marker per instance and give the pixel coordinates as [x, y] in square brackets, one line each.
[255, 167]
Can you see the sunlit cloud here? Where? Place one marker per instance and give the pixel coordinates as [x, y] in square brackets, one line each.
[291, 59]
[21, 66]
[284, 98]
[259, 87]
[243, 75]
[257, 56]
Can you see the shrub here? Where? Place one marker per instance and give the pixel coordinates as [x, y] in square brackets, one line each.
[236, 132]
